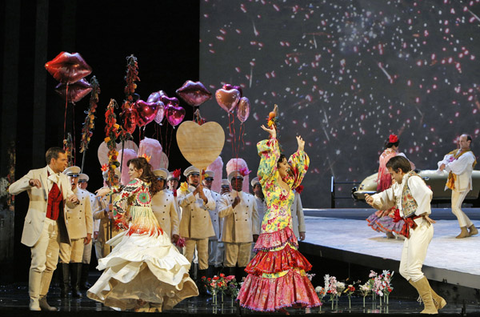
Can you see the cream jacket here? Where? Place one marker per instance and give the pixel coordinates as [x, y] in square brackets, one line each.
[37, 208]
[240, 223]
[196, 222]
[166, 211]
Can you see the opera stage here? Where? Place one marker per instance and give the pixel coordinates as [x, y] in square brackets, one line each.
[338, 242]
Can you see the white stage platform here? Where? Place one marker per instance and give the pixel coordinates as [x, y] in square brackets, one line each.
[449, 260]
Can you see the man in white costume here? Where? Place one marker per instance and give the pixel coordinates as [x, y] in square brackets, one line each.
[79, 223]
[196, 226]
[412, 197]
[215, 247]
[459, 164]
[49, 190]
[165, 208]
[240, 226]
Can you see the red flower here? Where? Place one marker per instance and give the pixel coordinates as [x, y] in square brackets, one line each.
[392, 138]
[222, 275]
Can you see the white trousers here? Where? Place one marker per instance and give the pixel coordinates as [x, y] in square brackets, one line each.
[44, 259]
[457, 201]
[216, 252]
[415, 250]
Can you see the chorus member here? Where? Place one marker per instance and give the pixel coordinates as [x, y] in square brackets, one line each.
[79, 223]
[196, 226]
[165, 207]
[215, 247]
[240, 227]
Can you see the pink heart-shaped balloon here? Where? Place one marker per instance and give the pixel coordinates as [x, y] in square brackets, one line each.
[68, 68]
[243, 109]
[227, 99]
[194, 93]
[154, 97]
[174, 115]
[75, 91]
[229, 86]
[146, 111]
[167, 101]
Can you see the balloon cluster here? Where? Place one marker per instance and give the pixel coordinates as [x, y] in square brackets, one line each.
[69, 70]
[230, 97]
[169, 108]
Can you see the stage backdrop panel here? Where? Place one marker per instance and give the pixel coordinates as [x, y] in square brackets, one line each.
[345, 75]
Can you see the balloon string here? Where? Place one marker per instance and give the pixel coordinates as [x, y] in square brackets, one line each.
[231, 133]
[65, 116]
[170, 138]
[74, 149]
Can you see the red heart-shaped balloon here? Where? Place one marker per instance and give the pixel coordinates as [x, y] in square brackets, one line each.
[194, 93]
[74, 92]
[68, 68]
[146, 111]
[174, 115]
[243, 109]
[227, 99]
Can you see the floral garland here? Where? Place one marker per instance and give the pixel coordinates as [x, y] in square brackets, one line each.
[111, 134]
[68, 147]
[88, 124]
[131, 77]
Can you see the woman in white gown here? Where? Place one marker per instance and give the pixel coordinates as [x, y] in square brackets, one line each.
[144, 272]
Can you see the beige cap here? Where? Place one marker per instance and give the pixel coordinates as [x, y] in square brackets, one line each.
[235, 174]
[83, 178]
[209, 174]
[254, 182]
[73, 171]
[191, 170]
[161, 173]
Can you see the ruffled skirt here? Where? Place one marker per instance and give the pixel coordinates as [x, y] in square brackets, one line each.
[143, 268]
[382, 221]
[277, 276]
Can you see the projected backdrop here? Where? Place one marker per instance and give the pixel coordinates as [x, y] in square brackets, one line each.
[345, 75]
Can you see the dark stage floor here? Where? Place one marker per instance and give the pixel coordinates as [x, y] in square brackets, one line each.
[14, 302]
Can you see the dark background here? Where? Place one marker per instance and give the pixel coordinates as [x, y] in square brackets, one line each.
[163, 35]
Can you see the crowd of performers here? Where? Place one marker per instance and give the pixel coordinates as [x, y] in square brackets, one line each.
[149, 239]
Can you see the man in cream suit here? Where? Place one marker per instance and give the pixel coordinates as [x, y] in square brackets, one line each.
[44, 227]
[79, 223]
[215, 248]
[240, 225]
[104, 214]
[165, 207]
[196, 226]
[459, 164]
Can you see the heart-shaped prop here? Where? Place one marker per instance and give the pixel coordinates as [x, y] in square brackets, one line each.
[243, 109]
[74, 92]
[200, 144]
[227, 99]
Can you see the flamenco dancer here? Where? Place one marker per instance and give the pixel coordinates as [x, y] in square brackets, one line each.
[144, 272]
[276, 275]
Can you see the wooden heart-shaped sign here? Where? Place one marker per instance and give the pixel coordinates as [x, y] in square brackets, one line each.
[200, 144]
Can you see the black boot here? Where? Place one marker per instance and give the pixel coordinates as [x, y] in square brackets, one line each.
[64, 280]
[202, 288]
[210, 271]
[241, 274]
[193, 271]
[84, 285]
[76, 272]
[230, 271]
[217, 270]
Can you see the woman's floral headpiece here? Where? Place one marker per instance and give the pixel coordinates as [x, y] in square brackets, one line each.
[392, 138]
